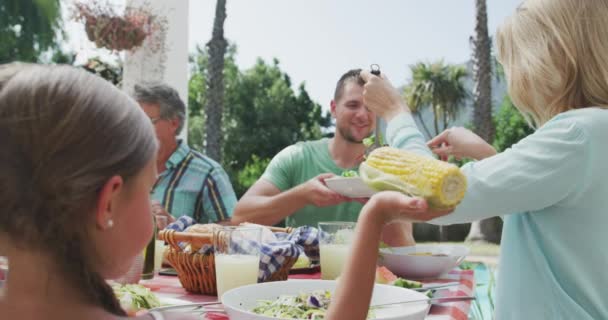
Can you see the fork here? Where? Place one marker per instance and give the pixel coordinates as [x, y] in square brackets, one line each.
[437, 286]
[430, 301]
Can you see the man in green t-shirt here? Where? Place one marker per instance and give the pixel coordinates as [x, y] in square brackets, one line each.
[293, 187]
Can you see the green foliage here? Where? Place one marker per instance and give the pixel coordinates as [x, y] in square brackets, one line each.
[250, 173]
[438, 86]
[510, 126]
[196, 131]
[262, 114]
[197, 85]
[28, 28]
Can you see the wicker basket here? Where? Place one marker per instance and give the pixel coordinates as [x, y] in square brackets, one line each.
[196, 271]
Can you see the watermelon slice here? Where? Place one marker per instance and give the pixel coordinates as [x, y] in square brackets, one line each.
[385, 276]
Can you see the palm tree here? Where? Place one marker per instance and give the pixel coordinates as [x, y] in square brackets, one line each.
[482, 74]
[488, 229]
[28, 28]
[215, 84]
[437, 86]
[456, 94]
[413, 96]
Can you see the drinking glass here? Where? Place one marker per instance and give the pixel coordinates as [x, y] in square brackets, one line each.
[334, 244]
[159, 248]
[237, 256]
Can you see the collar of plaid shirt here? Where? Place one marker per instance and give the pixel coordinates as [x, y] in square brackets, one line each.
[178, 155]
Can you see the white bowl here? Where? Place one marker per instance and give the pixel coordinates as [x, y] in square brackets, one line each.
[352, 187]
[401, 262]
[238, 302]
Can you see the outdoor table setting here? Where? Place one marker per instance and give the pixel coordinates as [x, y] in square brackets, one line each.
[217, 266]
[169, 289]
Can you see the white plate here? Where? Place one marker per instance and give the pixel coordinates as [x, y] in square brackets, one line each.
[167, 301]
[352, 187]
[238, 302]
[400, 262]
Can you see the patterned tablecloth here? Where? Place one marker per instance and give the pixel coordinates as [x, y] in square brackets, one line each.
[168, 287]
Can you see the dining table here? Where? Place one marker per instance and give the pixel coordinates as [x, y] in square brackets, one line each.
[169, 288]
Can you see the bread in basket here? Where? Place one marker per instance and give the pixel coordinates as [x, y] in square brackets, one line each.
[196, 268]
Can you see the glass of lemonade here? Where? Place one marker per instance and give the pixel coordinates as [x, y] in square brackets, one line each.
[237, 257]
[334, 245]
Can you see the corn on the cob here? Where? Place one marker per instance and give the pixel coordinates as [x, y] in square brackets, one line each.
[442, 184]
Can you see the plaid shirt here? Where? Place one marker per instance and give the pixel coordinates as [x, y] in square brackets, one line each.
[194, 185]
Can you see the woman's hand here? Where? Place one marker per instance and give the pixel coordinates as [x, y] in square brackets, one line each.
[381, 97]
[460, 143]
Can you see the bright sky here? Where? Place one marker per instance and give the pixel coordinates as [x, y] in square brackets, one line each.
[318, 40]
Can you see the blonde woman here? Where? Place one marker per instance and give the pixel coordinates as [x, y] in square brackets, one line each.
[551, 188]
[77, 164]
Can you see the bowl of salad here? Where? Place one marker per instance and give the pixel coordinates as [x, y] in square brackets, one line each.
[309, 299]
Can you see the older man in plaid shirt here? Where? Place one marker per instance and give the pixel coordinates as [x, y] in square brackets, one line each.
[189, 183]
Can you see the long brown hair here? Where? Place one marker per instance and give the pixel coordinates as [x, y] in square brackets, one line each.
[63, 134]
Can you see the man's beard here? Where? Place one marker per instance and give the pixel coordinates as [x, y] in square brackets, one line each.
[345, 133]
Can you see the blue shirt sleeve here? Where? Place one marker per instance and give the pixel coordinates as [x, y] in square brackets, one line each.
[402, 133]
[541, 170]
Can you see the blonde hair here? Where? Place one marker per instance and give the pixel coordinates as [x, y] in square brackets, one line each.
[554, 53]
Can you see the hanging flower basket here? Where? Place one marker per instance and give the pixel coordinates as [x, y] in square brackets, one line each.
[111, 30]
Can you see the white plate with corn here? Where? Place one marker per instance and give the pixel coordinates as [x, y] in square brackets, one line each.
[442, 184]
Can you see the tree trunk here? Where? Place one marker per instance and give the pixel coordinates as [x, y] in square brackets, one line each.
[443, 233]
[482, 75]
[488, 229]
[215, 84]
[436, 119]
[424, 127]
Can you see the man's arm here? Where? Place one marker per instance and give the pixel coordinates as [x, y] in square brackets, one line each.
[265, 204]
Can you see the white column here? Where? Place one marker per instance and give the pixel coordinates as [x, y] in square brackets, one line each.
[168, 64]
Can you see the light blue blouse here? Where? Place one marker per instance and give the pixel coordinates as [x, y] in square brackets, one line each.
[551, 188]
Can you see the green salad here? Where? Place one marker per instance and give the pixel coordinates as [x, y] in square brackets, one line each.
[303, 306]
[134, 297]
[371, 139]
[350, 173]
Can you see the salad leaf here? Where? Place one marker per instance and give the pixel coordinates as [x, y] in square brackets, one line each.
[134, 297]
[408, 284]
[350, 173]
[370, 140]
[303, 306]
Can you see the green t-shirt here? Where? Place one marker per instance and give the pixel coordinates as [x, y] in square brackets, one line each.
[299, 163]
[303, 161]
